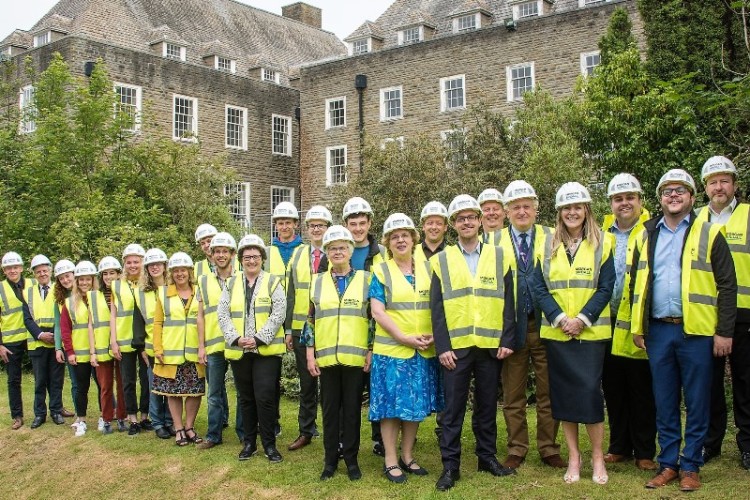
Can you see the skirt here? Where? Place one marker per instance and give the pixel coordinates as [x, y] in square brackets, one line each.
[186, 382]
[575, 380]
[405, 389]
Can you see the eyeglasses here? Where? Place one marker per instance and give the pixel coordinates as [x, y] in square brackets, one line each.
[250, 258]
[678, 190]
[332, 250]
[317, 226]
[467, 218]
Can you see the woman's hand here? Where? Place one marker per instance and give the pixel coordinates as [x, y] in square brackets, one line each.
[368, 362]
[313, 368]
[60, 357]
[72, 360]
[639, 342]
[115, 351]
[202, 356]
[415, 342]
[93, 360]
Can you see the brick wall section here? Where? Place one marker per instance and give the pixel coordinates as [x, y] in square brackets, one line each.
[161, 78]
[554, 43]
[304, 13]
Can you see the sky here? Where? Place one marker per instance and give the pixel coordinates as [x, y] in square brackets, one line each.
[341, 17]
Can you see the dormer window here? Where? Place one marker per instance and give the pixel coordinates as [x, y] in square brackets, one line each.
[174, 51]
[411, 35]
[468, 22]
[225, 64]
[269, 75]
[360, 46]
[526, 9]
[42, 38]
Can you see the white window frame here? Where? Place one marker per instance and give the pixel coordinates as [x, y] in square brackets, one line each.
[289, 196]
[165, 52]
[329, 115]
[232, 64]
[388, 140]
[287, 135]
[193, 121]
[517, 9]
[235, 191]
[443, 91]
[353, 51]
[384, 105]
[509, 78]
[329, 176]
[42, 38]
[445, 137]
[402, 39]
[458, 19]
[137, 107]
[243, 128]
[26, 105]
[586, 3]
[584, 63]
[270, 75]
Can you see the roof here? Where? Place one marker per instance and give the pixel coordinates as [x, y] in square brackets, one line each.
[19, 38]
[368, 29]
[54, 22]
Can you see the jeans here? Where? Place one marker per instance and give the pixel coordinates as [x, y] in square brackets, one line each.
[218, 405]
[158, 410]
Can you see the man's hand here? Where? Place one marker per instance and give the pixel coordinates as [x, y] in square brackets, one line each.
[448, 360]
[503, 352]
[47, 337]
[5, 353]
[722, 346]
[289, 342]
[639, 342]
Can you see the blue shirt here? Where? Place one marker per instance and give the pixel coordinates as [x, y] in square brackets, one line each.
[621, 252]
[472, 258]
[667, 284]
[359, 256]
[287, 249]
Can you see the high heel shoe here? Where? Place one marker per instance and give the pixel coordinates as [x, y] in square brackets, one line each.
[573, 478]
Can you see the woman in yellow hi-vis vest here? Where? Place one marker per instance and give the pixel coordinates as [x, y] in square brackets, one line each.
[251, 314]
[337, 340]
[573, 286]
[405, 382]
[64, 279]
[179, 347]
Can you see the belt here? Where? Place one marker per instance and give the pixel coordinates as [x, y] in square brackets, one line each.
[675, 320]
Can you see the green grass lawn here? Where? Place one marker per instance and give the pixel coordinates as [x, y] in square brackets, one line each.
[49, 462]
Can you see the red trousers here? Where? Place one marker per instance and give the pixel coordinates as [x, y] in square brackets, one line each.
[106, 373]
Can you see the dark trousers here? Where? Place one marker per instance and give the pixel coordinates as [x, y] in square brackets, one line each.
[631, 409]
[308, 392]
[486, 371]
[132, 361]
[82, 373]
[257, 380]
[48, 379]
[14, 379]
[341, 389]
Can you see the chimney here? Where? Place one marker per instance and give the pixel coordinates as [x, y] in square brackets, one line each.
[304, 13]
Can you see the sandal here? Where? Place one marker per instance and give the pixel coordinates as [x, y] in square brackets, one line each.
[391, 477]
[195, 438]
[419, 471]
[182, 439]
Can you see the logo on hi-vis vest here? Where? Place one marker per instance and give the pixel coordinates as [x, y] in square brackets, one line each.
[352, 303]
[584, 271]
[263, 301]
[735, 236]
[424, 293]
[487, 280]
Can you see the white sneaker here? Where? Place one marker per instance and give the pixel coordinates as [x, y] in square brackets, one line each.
[100, 426]
[74, 425]
[80, 429]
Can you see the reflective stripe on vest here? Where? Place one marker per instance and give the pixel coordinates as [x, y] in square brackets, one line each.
[210, 291]
[79, 317]
[180, 330]
[147, 307]
[274, 265]
[43, 312]
[300, 272]
[123, 296]
[100, 321]
[11, 316]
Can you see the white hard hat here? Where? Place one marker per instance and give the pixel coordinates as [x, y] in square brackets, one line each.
[571, 193]
[337, 233]
[356, 205]
[153, 256]
[285, 210]
[133, 249]
[180, 259]
[718, 165]
[434, 208]
[251, 240]
[64, 266]
[39, 260]
[397, 221]
[676, 175]
[12, 259]
[108, 263]
[463, 202]
[490, 194]
[623, 183]
[225, 240]
[518, 190]
[84, 268]
[319, 212]
[203, 231]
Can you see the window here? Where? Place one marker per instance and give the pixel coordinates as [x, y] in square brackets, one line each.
[238, 202]
[282, 135]
[526, 9]
[128, 106]
[26, 104]
[226, 64]
[185, 127]
[335, 112]
[589, 61]
[583, 3]
[174, 51]
[236, 127]
[269, 75]
[452, 93]
[454, 142]
[392, 141]
[410, 35]
[465, 23]
[360, 47]
[520, 80]
[390, 104]
[42, 39]
[336, 165]
[279, 194]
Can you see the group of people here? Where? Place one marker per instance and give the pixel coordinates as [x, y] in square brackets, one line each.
[640, 313]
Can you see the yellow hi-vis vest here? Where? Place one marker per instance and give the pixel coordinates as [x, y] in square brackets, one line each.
[572, 285]
[79, 317]
[203, 267]
[274, 264]
[699, 293]
[147, 306]
[341, 323]
[262, 310]
[210, 291]
[11, 316]
[100, 314]
[300, 274]
[473, 306]
[407, 306]
[180, 331]
[124, 297]
[43, 312]
[541, 234]
[737, 234]
[494, 238]
[622, 339]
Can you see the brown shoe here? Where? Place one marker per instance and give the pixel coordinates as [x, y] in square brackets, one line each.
[555, 461]
[300, 442]
[645, 464]
[613, 458]
[17, 423]
[689, 481]
[663, 478]
[67, 413]
[206, 445]
[513, 461]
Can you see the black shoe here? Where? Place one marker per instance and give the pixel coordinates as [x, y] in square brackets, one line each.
[162, 433]
[146, 425]
[121, 426]
[378, 449]
[745, 460]
[353, 472]
[58, 419]
[248, 451]
[709, 453]
[273, 455]
[447, 479]
[134, 429]
[419, 471]
[171, 431]
[38, 421]
[394, 479]
[327, 473]
[493, 467]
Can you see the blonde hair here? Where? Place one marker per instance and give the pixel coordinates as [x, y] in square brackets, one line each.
[77, 294]
[191, 278]
[386, 239]
[591, 230]
[146, 282]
